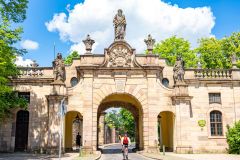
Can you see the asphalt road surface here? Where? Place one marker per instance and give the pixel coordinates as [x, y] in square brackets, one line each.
[113, 152]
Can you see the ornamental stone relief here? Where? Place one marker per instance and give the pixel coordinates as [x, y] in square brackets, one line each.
[120, 56]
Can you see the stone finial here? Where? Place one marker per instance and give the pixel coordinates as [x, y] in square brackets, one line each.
[34, 64]
[88, 42]
[149, 42]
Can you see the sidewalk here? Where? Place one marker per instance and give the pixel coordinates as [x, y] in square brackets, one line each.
[162, 157]
[174, 156]
[29, 156]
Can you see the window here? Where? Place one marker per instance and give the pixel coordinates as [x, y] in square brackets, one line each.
[74, 81]
[214, 98]
[216, 123]
[165, 82]
[25, 95]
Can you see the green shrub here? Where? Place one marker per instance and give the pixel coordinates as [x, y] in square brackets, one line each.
[233, 138]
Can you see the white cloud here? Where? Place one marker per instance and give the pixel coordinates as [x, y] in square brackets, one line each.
[23, 62]
[29, 44]
[160, 19]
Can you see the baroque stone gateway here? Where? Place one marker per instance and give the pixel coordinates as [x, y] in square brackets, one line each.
[168, 103]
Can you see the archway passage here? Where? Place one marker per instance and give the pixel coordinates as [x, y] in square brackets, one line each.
[165, 130]
[73, 131]
[125, 101]
[21, 134]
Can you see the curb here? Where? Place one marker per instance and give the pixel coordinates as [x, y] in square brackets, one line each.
[99, 156]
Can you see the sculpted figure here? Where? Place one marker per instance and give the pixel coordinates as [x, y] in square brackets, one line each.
[119, 23]
[59, 68]
[178, 70]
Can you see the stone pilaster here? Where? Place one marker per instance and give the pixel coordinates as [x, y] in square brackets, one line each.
[152, 114]
[89, 118]
[53, 122]
[137, 131]
[101, 128]
[182, 102]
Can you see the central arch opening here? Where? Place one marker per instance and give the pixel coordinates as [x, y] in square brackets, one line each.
[125, 102]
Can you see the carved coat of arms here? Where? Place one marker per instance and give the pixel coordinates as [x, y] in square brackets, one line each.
[120, 56]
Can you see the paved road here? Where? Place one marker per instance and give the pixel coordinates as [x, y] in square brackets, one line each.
[113, 152]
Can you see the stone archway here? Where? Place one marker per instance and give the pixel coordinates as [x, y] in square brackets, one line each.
[166, 130]
[128, 102]
[73, 126]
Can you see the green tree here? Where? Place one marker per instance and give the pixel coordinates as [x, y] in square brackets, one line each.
[12, 12]
[127, 121]
[211, 54]
[122, 120]
[172, 47]
[230, 46]
[112, 119]
[69, 59]
[233, 138]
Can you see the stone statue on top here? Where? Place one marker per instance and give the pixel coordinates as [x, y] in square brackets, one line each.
[59, 68]
[119, 23]
[178, 70]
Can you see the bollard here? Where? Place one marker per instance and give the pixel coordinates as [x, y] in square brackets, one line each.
[163, 150]
[80, 151]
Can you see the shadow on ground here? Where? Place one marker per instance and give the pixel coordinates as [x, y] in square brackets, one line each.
[116, 150]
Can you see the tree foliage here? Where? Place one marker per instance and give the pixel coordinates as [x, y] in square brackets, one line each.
[172, 47]
[128, 123]
[230, 46]
[122, 120]
[233, 138]
[112, 119]
[11, 13]
[69, 59]
[211, 52]
[211, 55]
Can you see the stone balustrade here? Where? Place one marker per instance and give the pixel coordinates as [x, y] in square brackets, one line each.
[35, 72]
[213, 73]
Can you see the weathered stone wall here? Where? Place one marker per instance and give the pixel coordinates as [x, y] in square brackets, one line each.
[201, 139]
[38, 119]
[7, 139]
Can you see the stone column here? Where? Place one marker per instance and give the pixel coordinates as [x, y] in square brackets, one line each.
[113, 133]
[101, 129]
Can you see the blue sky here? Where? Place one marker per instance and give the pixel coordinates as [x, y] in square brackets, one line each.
[226, 13]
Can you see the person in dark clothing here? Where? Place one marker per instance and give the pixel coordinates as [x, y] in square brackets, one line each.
[78, 140]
